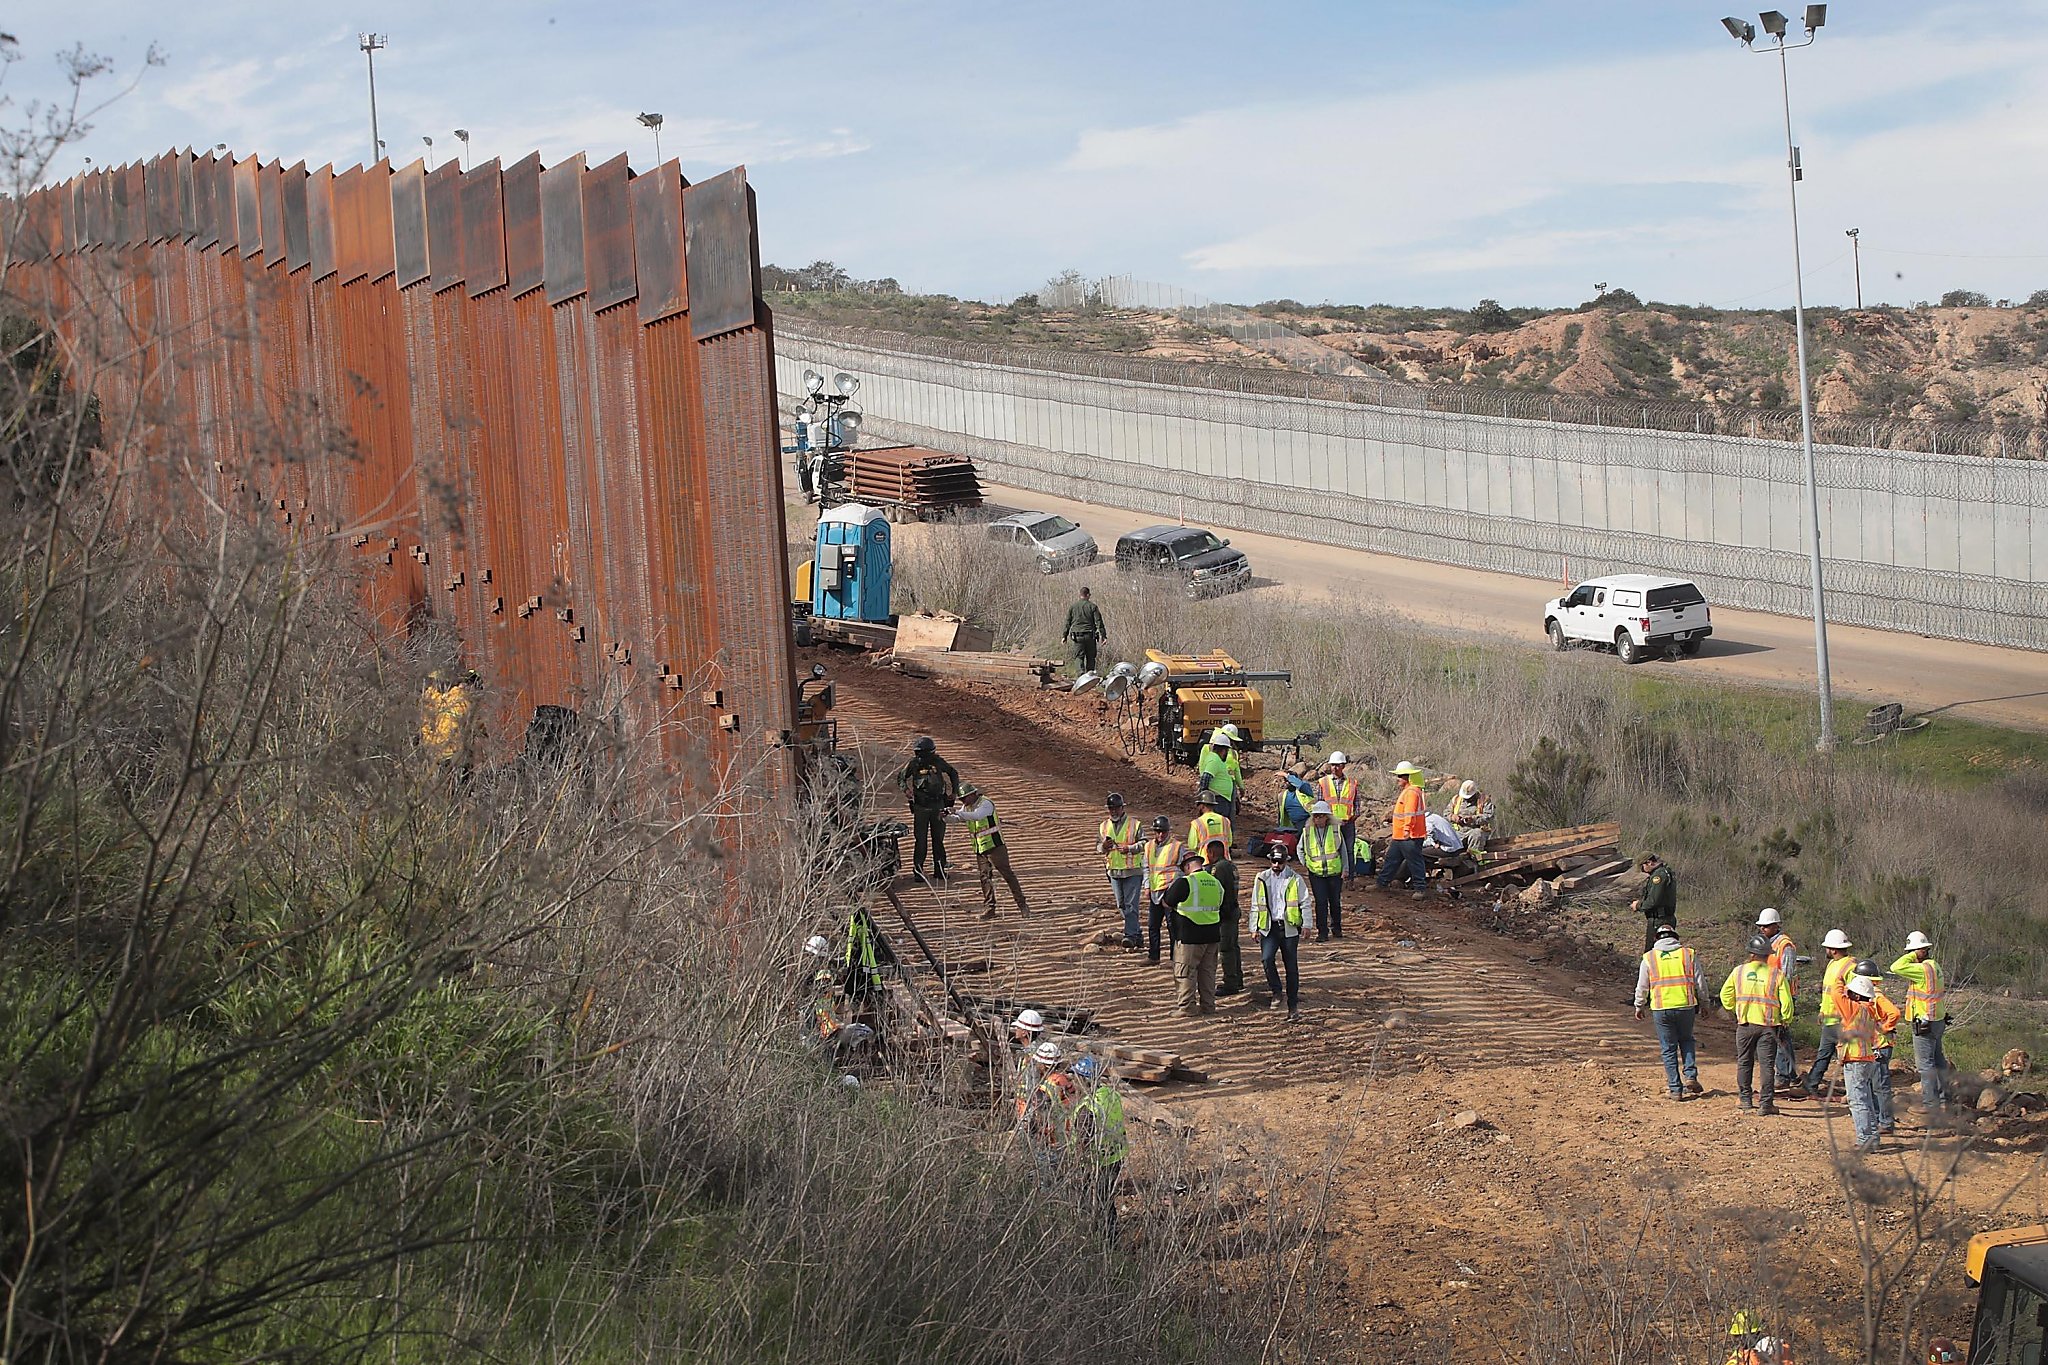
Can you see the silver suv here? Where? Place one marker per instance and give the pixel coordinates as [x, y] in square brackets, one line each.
[1056, 542]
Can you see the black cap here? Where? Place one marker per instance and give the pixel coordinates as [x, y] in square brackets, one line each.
[1276, 851]
[1759, 946]
[1161, 823]
[1114, 799]
[925, 745]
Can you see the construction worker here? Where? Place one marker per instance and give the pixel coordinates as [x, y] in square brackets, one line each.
[1670, 982]
[1840, 967]
[1659, 900]
[1196, 899]
[1340, 792]
[1122, 850]
[929, 784]
[1025, 1033]
[991, 855]
[1045, 1111]
[1297, 794]
[1886, 1008]
[1743, 1329]
[1210, 824]
[1926, 1015]
[1229, 948]
[1785, 957]
[1860, 1023]
[445, 706]
[1162, 865]
[1096, 1137]
[1085, 633]
[1760, 998]
[1407, 829]
[1219, 771]
[1321, 850]
[1277, 899]
[1471, 814]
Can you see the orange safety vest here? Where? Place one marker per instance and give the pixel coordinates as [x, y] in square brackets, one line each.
[1325, 856]
[1410, 821]
[1887, 1016]
[1164, 862]
[1341, 793]
[1782, 951]
[1863, 1025]
[1673, 980]
[1119, 833]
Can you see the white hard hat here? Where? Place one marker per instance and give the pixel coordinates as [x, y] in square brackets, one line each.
[1669, 931]
[1861, 986]
[1836, 939]
[1767, 1347]
[1338, 758]
[1218, 737]
[1769, 916]
[816, 946]
[1468, 789]
[1031, 1021]
[1916, 939]
[1319, 808]
[1404, 768]
[1047, 1052]
[1231, 731]
[850, 1081]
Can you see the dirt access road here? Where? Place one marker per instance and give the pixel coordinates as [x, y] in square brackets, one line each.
[1436, 1232]
[2002, 686]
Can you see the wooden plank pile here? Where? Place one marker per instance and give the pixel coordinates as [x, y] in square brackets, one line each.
[1143, 1065]
[913, 478]
[1545, 852]
[1020, 670]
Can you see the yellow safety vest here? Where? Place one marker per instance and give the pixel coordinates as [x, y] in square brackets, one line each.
[1204, 904]
[1672, 977]
[1322, 856]
[983, 828]
[1834, 979]
[1164, 862]
[1756, 992]
[1341, 793]
[1224, 775]
[1923, 988]
[1262, 919]
[1104, 1108]
[1206, 826]
[1121, 864]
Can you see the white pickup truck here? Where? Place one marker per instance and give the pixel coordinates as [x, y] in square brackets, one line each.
[1638, 614]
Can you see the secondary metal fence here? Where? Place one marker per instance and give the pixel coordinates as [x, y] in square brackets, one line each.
[1946, 545]
[536, 403]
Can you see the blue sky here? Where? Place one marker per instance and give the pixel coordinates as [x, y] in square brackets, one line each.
[1396, 151]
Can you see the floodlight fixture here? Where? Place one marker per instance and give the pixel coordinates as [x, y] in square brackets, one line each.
[849, 427]
[1150, 674]
[1739, 31]
[846, 384]
[1084, 682]
[1115, 686]
[650, 120]
[1774, 23]
[817, 670]
[1816, 15]
[813, 382]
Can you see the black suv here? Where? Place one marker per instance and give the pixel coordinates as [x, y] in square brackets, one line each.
[1207, 566]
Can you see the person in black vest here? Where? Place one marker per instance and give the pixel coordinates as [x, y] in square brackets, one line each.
[930, 785]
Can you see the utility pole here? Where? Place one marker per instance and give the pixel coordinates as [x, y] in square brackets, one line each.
[652, 122]
[370, 43]
[1856, 256]
[1776, 25]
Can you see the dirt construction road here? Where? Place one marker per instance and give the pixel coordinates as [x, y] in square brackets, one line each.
[2003, 686]
[1437, 1234]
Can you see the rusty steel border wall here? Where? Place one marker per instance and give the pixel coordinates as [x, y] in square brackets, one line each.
[536, 404]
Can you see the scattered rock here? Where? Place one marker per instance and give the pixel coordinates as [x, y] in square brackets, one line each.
[1465, 1118]
[1989, 1098]
[2017, 1062]
[1539, 894]
[1583, 990]
[1398, 1020]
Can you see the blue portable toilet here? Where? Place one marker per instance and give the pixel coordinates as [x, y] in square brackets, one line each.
[850, 579]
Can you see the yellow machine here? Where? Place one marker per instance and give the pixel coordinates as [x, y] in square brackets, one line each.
[2010, 1267]
[1205, 692]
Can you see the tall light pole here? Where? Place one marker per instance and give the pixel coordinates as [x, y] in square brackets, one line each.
[430, 151]
[462, 136]
[1775, 24]
[1855, 236]
[653, 121]
[371, 43]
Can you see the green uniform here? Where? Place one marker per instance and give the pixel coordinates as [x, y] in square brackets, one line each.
[1084, 631]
